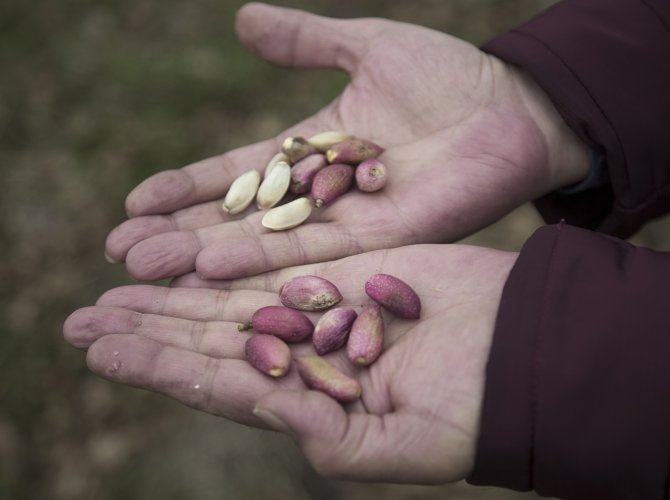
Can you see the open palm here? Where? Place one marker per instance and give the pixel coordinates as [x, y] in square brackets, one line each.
[467, 139]
[417, 417]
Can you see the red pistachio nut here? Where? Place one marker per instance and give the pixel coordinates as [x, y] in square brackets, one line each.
[288, 324]
[309, 293]
[303, 173]
[353, 151]
[331, 182]
[268, 354]
[319, 374]
[366, 338]
[395, 295]
[330, 332]
[370, 175]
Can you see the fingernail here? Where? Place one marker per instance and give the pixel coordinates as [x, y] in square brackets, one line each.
[272, 420]
[110, 259]
[129, 211]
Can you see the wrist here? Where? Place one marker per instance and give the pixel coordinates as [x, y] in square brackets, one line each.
[568, 157]
[598, 175]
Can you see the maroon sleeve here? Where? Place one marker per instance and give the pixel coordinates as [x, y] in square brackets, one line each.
[605, 64]
[577, 396]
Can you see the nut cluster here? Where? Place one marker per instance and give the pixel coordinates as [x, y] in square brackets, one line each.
[318, 169]
[361, 333]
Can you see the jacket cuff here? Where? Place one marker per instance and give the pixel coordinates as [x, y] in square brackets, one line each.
[604, 65]
[575, 402]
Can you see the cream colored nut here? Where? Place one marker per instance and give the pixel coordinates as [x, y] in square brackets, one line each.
[325, 140]
[274, 186]
[296, 148]
[287, 216]
[319, 374]
[241, 192]
[273, 161]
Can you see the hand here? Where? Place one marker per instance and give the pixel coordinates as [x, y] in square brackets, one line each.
[417, 419]
[468, 139]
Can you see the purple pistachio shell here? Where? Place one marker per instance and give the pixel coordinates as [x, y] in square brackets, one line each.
[309, 293]
[330, 182]
[395, 295]
[366, 338]
[268, 354]
[303, 173]
[370, 175]
[353, 151]
[330, 332]
[287, 324]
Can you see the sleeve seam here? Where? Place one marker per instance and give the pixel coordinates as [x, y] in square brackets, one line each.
[656, 14]
[535, 371]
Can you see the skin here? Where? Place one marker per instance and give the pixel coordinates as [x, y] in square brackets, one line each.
[417, 419]
[468, 138]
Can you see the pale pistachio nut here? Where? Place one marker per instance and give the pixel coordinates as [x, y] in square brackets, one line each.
[296, 148]
[273, 161]
[322, 141]
[241, 192]
[287, 216]
[320, 375]
[274, 186]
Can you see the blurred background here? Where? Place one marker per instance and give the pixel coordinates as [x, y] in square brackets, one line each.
[94, 97]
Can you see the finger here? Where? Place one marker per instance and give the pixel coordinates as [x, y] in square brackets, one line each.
[174, 253]
[244, 247]
[192, 280]
[294, 38]
[83, 326]
[345, 273]
[234, 249]
[209, 179]
[205, 180]
[359, 446]
[226, 387]
[355, 223]
[130, 232]
[217, 339]
[247, 256]
[163, 255]
[188, 303]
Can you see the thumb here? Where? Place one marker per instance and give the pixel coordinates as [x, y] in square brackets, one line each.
[356, 446]
[294, 38]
